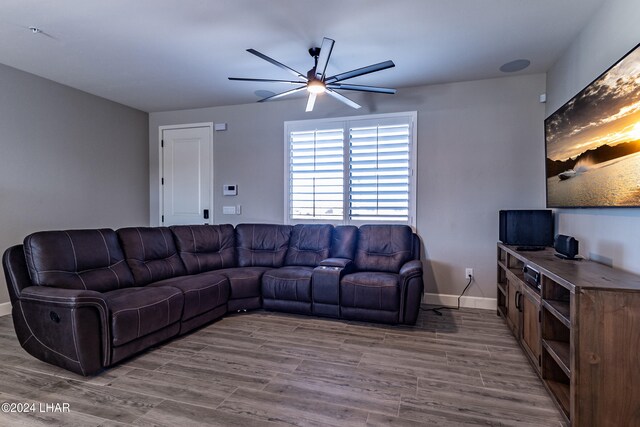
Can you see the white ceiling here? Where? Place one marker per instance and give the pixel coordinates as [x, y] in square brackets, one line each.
[158, 55]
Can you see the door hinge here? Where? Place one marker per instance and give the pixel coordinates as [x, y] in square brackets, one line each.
[162, 218]
[539, 360]
[540, 316]
[162, 143]
[161, 181]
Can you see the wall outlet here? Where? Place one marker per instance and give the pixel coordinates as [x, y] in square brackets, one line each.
[468, 273]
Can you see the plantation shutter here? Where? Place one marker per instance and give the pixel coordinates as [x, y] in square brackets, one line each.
[351, 170]
[380, 170]
[316, 174]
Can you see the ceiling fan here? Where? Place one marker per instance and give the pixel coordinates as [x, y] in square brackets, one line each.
[316, 82]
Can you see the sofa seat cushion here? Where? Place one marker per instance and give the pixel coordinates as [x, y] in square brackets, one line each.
[378, 291]
[136, 312]
[202, 292]
[288, 283]
[243, 282]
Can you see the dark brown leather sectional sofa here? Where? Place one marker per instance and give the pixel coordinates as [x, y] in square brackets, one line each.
[87, 299]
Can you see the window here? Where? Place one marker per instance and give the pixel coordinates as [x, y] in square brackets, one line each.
[351, 170]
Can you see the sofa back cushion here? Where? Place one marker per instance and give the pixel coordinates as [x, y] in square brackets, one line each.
[150, 253]
[309, 244]
[205, 247]
[383, 247]
[77, 259]
[262, 245]
[343, 241]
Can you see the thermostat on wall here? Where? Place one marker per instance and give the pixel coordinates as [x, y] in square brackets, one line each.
[229, 190]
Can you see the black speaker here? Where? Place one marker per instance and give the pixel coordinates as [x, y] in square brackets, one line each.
[526, 227]
[566, 247]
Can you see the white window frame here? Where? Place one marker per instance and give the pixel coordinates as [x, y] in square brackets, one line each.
[345, 123]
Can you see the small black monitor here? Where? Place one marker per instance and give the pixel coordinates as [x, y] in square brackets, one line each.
[527, 227]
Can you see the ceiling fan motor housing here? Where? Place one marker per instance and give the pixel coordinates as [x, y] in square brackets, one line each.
[315, 52]
[311, 74]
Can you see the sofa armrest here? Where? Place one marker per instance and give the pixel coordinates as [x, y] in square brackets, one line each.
[16, 272]
[411, 268]
[65, 297]
[325, 289]
[66, 327]
[412, 291]
[336, 262]
[68, 298]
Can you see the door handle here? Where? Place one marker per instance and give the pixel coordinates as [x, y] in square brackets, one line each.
[206, 214]
[520, 302]
[517, 300]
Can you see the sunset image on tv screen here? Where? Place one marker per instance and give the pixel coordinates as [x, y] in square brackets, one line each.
[593, 142]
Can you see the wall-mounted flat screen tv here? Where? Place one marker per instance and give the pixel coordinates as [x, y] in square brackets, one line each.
[593, 142]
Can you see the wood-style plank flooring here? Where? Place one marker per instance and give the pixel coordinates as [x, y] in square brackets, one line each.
[263, 368]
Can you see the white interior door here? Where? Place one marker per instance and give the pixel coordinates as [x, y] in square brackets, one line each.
[187, 175]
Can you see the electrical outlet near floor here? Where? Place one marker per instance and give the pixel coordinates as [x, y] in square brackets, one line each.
[468, 273]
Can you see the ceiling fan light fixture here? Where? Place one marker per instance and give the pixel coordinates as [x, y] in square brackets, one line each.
[316, 86]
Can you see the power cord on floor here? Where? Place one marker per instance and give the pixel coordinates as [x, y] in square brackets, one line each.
[436, 310]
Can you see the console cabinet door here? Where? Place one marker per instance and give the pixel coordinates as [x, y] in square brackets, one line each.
[513, 311]
[530, 305]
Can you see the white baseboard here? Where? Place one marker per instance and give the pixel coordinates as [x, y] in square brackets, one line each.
[452, 301]
[5, 309]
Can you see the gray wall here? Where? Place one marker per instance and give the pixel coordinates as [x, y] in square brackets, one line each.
[607, 235]
[480, 149]
[67, 160]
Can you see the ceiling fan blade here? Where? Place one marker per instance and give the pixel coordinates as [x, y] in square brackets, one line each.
[342, 98]
[277, 64]
[311, 102]
[361, 88]
[360, 72]
[280, 95]
[323, 58]
[248, 79]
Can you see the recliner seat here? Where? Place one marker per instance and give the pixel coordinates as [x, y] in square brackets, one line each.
[374, 290]
[289, 288]
[155, 263]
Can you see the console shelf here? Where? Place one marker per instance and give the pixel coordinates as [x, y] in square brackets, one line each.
[581, 331]
[562, 392]
[560, 353]
[560, 309]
